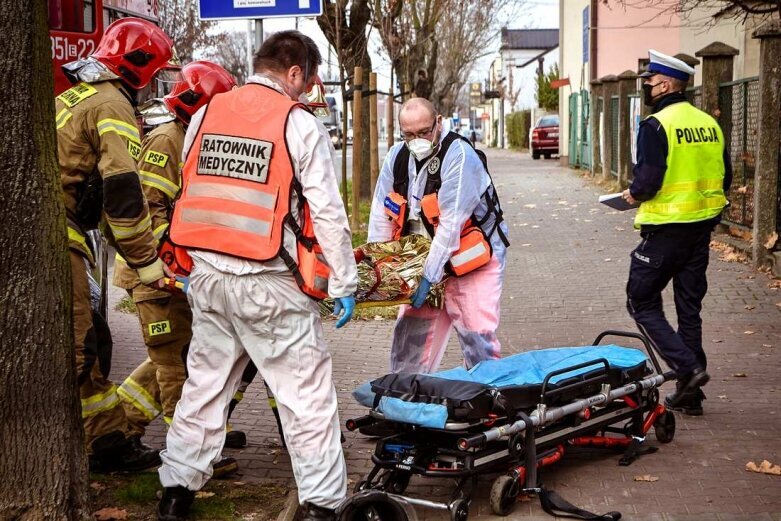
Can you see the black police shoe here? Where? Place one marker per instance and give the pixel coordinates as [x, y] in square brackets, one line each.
[691, 406]
[113, 452]
[316, 513]
[687, 389]
[175, 504]
[235, 440]
[225, 468]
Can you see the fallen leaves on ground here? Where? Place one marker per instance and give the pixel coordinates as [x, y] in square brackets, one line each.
[764, 468]
[749, 307]
[111, 514]
[742, 189]
[717, 341]
[646, 477]
[748, 332]
[771, 241]
[530, 206]
[740, 375]
[97, 485]
[203, 495]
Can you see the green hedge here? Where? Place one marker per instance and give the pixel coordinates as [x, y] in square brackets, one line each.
[518, 125]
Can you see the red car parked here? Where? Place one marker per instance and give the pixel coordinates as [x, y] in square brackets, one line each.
[545, 137]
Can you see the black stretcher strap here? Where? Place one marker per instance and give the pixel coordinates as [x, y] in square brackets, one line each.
[555, 505]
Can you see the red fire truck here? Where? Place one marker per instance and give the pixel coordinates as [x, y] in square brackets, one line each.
[76, 26]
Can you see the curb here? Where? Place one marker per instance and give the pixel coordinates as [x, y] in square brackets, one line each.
[291, 506]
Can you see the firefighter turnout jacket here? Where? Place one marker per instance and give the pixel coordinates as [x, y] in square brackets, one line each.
[159, 166]
[98, 144]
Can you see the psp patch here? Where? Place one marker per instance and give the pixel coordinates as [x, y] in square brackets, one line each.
[156, 158]
[134, 149]
[160, 328]
[236, 157]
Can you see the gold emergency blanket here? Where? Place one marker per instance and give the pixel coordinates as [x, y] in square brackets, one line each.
[389, 272]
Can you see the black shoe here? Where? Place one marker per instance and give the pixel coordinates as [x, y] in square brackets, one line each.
[687, 388]
[225, 468]
[316, 513]
[175, 504]
[235, 440]
[691, 406]
[136, 442]
[114, 452]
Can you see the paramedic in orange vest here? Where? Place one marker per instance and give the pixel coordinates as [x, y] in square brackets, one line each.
[435, 184]
[155, 385]
[259, 213]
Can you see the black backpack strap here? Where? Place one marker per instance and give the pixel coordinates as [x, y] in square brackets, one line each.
[401, 171]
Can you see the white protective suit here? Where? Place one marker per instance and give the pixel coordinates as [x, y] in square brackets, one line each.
[246, 310]
[471, 301]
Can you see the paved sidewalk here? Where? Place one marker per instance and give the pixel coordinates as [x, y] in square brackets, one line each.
[567, 268]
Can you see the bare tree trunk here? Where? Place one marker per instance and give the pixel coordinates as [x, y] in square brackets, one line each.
[43, 471]
[351, 51]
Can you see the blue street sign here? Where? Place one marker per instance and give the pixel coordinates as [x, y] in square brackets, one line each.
[248, 9]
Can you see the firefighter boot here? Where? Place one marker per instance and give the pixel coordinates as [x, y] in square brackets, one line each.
[235, 439]
[316, 513]
[175, 504]
[113, 452]
[225, 468]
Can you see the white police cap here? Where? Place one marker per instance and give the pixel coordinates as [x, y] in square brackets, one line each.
[667, 65]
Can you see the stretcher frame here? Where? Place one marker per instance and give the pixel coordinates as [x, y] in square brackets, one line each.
[519, 446]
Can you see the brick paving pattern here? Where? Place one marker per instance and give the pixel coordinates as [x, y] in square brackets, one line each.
[566, 272]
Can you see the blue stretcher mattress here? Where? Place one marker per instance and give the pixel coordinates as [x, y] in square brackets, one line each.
[496, 386]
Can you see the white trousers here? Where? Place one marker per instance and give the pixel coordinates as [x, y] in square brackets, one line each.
[264, 317]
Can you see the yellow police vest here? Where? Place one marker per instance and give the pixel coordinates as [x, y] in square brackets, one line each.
[692, 189]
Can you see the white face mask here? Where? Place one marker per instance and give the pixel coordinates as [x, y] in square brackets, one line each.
[420, 148]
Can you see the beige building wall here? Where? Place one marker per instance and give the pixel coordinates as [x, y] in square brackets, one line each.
[570, 64]
[704, 26]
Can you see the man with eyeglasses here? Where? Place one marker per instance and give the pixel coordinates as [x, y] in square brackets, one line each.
[680, 180]
[436, 185]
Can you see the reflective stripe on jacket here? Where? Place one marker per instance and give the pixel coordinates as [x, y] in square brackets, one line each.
[238, 177]
[692, 189]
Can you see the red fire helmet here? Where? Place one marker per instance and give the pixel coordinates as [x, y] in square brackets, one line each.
[135, 50]
[200, 81]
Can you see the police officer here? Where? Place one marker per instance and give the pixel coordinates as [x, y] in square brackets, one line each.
[435, 184]
[259, 213]
[98, 145]
[680, 180]
[156, 385]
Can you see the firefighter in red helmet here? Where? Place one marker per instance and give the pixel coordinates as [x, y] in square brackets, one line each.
[154, 386]
[98, 145]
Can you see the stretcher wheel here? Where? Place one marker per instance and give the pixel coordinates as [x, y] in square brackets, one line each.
[664, 427]
[504, 494]
[397, 482]
[459, 510]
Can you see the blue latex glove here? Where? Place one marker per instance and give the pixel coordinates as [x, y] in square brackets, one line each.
[343, 306]
[419, 297]
[185, 283]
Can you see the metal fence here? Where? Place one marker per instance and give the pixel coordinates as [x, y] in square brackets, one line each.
[614, 135]
[739, 104]
[694, 94]
[579, 129]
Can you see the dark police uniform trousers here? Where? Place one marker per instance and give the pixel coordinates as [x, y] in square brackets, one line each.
[677, 252]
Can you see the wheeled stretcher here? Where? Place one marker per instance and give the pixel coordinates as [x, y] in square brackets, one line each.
[512, 416]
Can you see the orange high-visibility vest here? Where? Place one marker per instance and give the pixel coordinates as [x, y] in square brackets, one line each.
[237, 184]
